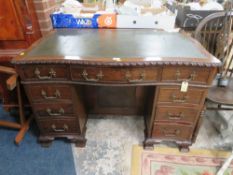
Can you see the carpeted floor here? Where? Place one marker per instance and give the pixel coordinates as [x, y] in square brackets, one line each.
[170, 161]
[29, 158]
[109, 145]
[108, 151]
[110, 141]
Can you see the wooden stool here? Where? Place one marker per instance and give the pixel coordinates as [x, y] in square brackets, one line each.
[23, 125]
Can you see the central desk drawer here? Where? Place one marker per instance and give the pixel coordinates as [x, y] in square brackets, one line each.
[53, 109]
[48, 92]
[195, 75]
[58, 126]
[173, 95]
[113, 74]
[44, 72]
[177, 114]
[171, 131]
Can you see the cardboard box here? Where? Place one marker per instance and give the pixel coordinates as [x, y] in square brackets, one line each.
[156, 21]
[107, 21]
[60, 20]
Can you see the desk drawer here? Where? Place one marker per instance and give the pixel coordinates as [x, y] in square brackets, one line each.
[177, 114]
[173, 95]
[49, 92]
[192, 74]
[58, 126]
[53, 109]
[171, 131]
[113, 74]
[44, 72]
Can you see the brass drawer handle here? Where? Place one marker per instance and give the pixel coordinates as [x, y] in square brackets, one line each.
[175, 116]
[60, 112]
[128, 76]
[192, 76]
[175, 133]
[99, 76]
[65, 128]
[51, 75]
[57, 94]
[181, 100]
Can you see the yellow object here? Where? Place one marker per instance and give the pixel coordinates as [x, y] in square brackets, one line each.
[203, 2]
[89, 1]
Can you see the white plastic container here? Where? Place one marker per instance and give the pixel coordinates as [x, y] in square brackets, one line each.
[165, 22]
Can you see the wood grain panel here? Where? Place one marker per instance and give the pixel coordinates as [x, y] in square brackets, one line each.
[113, 74]
[58, 126]
[52, 92]
[173, 95]
[10, 27]
[177, 114]
[44, 72]
[171, 131]
[53, 109]
[191, 74]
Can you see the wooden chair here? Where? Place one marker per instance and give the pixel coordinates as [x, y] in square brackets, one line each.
[23, 125]
[215, 33]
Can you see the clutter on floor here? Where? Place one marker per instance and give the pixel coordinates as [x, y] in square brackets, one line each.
[108, 14]
[155, 14]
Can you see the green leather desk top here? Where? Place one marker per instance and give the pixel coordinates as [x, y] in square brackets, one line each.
[124, 44]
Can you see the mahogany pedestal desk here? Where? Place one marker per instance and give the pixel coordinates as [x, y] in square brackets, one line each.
[72, 73]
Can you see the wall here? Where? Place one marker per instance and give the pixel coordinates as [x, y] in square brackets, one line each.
[43, 9]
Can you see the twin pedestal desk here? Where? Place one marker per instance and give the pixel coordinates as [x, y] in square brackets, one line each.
[162, 76]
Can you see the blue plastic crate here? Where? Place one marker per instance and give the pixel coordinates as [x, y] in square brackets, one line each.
[61, 20]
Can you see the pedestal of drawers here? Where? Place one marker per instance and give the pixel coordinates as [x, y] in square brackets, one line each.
[177, 115]
[55, 94]
[59, 112]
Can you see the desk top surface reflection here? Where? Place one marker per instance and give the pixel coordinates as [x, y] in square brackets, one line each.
[126, 44]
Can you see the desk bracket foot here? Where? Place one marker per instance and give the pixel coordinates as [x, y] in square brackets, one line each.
[81, 143]
[148, 145]
[78, 141]
[184, 148]
[45, 142]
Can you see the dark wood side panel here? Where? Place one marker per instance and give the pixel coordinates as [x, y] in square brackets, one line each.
[20, 26]
[115, 100]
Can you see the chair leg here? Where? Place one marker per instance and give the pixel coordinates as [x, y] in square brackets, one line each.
[10, 124]
[21, 107]
[24, 128]
[24, 123]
